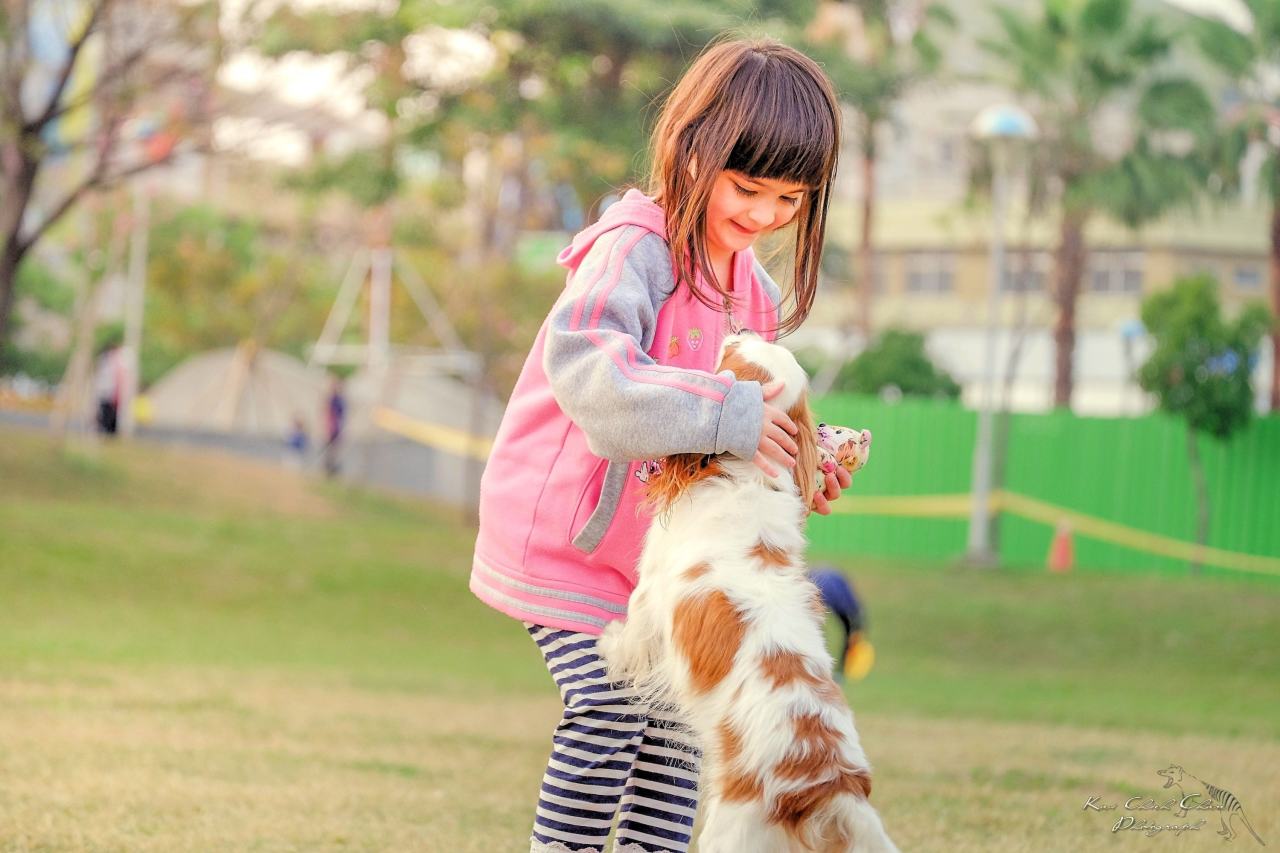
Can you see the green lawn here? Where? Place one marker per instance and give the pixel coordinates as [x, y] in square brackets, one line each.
[199, 653]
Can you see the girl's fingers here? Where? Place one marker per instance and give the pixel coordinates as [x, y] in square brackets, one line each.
[773, 413]
[844, 477]
[777, 456]
[832, 490]
[762, 462]
[779, 435]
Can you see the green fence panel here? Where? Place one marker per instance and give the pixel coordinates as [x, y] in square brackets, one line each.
[1133, 471]
[918, 447]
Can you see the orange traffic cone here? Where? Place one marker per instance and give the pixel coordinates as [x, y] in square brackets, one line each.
[1062, 551]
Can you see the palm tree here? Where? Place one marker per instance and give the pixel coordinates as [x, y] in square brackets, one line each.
[1247, 54]
[1070, 61]
[875, 51]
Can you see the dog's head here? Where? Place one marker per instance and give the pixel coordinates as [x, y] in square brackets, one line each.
[751, 358]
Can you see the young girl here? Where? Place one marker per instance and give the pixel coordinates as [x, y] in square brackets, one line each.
[622, 373]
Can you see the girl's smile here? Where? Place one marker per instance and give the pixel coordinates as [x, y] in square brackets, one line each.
[742, 208]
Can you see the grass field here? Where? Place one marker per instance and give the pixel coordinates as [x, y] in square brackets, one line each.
[199, 653]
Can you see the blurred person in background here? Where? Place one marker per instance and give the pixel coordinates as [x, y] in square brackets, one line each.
[856, 653]
[298, 443]
[108, 386]
[335, 417]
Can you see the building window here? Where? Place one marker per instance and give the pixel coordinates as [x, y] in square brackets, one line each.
[1026, 272]
[1247, 277]
[931, 272]
[1117, 273]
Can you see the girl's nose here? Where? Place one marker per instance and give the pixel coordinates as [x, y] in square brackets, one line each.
[762, 216]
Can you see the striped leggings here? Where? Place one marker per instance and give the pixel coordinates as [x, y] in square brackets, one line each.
[609, 749]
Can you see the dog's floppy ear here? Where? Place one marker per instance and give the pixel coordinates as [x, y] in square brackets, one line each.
[806, 470]
[677, 474]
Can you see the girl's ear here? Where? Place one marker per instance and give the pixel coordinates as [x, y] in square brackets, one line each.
[806, 470]
[678, 473]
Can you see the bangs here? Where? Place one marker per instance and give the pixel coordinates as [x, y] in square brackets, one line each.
[788, 129]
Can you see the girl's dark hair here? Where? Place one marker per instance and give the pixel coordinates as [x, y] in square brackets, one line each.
[756, 107]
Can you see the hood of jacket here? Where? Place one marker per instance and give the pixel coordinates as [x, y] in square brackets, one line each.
[634, 208]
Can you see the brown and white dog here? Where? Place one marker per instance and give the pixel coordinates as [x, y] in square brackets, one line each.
[725, 626]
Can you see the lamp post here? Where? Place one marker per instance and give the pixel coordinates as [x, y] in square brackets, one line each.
[1130, 331]
[1002, 126]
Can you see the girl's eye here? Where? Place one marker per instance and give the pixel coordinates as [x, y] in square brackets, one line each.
[743, 190]
[791, 200]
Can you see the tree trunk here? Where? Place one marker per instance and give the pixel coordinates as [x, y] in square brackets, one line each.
[1068, 273]
[10, 259]
[866, 267]
[19, 178]
[1202, 496]
[1275, 298]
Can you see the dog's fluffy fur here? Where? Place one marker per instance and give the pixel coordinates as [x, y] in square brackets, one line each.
[725, 625]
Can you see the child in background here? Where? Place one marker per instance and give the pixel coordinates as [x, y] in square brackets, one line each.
[298, 443]
[621, 374]
[857, 654]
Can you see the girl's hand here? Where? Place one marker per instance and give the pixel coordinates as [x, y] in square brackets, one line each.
[776, 443]
[836, 483]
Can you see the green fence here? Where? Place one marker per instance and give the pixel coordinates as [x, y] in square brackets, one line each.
[1131, 471]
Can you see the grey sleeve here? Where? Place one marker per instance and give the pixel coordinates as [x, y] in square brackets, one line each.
[597, 362]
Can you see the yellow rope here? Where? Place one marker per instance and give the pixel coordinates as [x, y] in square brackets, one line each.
[958, 506]
[455, 441]
[461, 443]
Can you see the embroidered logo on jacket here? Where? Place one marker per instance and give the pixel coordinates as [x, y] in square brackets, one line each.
[695, 338]
[673, 347]
[647, 469]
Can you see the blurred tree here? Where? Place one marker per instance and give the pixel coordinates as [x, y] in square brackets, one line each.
[897, 359]
[875, 51]
[1247, 155]
[1073, 60]
[546, 120]
[574, 87]
[1200, 368]
[204, 275]
[48, 290]
[37, 282]
[76, 82]
[214, 281]
[374, 45]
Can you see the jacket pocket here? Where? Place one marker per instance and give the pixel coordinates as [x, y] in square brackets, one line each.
[598, 504]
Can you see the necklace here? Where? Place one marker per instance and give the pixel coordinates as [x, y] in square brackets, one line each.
[734, 328]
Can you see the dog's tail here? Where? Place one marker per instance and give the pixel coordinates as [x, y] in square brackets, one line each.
[847, 823]
[833, 815]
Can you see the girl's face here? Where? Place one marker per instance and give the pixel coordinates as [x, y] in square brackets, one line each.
[743, 209]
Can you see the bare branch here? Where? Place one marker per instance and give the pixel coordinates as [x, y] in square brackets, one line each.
[73, 53]
[94, 178]
[108, 79]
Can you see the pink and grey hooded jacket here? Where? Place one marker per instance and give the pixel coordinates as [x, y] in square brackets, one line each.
[621, 373]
